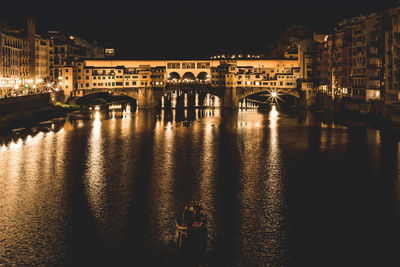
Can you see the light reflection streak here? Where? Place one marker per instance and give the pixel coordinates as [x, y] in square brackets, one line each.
[126, 123]
[262, 193]
[163, 182]
[127, 112]
[168, 126]
[207, 176]
[275, 203]
[31, 194]
[94, 175]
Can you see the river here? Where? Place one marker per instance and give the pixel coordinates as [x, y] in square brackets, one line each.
[279, 190]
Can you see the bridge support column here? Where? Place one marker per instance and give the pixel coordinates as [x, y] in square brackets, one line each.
[230, 99]
[146, 98]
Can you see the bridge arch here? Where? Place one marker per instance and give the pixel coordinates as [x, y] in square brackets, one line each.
[202, 76]
[98, 98]
[249, 91]
[269, 96]
[189, 76]
[174, 76]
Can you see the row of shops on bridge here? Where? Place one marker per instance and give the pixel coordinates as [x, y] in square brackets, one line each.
[112, 75]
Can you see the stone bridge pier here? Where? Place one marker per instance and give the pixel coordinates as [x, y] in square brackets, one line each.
[146, 97]
[150, 97]
[230, 98]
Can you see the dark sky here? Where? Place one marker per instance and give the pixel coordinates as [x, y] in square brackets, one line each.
[165, 29]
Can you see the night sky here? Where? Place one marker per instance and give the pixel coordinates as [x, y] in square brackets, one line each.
[181, 29]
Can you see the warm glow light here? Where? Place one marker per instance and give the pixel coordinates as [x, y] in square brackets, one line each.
[169, 126]
[94, 175]
[97, 118]
[274, 94]
[273, 117]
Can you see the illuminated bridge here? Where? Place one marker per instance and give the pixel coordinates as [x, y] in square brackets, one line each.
[154, 83]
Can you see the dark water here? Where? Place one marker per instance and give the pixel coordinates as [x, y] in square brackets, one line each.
[278, 189]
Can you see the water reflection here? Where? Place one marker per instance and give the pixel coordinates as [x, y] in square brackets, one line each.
[275, 219]
[94, 175]
[263, 209]
[163, 181]
[139, 169]
[27, 179]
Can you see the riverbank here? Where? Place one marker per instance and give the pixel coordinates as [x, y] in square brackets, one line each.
[34, 116]
[375, 112]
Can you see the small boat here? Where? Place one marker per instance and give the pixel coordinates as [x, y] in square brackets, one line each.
[191, 224]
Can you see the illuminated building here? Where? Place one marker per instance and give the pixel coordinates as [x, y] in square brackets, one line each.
[274, 73]
[43, 59]
[109, 52]
[390, 71]
[68, 50]
[25, 58]
[358, 60]
[10, 51]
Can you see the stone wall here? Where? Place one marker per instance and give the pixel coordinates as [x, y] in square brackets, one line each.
[345, 104]
[23, 103]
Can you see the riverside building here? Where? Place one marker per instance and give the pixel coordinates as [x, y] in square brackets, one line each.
[360, 59]
[25, 59]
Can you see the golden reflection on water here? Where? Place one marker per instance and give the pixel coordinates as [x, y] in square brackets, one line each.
[31, 172]
[262, 192]
[94, 175]
[275, 204]
[126, 122]
[207, 178]
[35, 168]
[163, 175]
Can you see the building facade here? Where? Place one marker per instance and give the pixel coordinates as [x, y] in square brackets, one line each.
[25, 59]
[11, 44]
[69, 49]
[360, 58]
